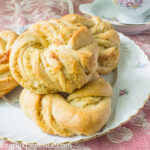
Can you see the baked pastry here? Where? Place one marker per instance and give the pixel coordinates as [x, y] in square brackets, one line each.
[84, 112]
[106, 37]
[7, 83]
[53, 57]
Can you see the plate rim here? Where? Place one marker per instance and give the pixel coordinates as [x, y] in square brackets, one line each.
[81, 140]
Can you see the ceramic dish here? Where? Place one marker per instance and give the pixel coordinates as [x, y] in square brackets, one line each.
[109, 13]
[131, 88]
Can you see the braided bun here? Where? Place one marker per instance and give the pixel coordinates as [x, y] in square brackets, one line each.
[84, 112]
[7, 83]
[106, 37]
[53, 57]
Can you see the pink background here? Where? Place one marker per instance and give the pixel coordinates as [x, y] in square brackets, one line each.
[136, 133]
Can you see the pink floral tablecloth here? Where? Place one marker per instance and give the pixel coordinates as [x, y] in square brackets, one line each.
[136, 133]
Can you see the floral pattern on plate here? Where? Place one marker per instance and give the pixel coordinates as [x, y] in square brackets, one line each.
[131, 4]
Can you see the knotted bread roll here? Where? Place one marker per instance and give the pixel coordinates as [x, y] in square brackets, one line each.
[84, 112]
[107, 38]
[53, 57]
[7, 83]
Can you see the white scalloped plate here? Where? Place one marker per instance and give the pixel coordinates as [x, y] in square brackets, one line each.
[130, 92]
[109, 13]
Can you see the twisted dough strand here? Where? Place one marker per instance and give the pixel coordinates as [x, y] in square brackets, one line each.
[85, 111]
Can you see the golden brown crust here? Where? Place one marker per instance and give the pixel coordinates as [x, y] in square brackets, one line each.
[7, 83]
[107, 38]
[84, 112]
[52, 56]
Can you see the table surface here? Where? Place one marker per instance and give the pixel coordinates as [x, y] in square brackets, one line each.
[136, 133]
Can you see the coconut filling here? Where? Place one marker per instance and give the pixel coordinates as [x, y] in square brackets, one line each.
[86, 102]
